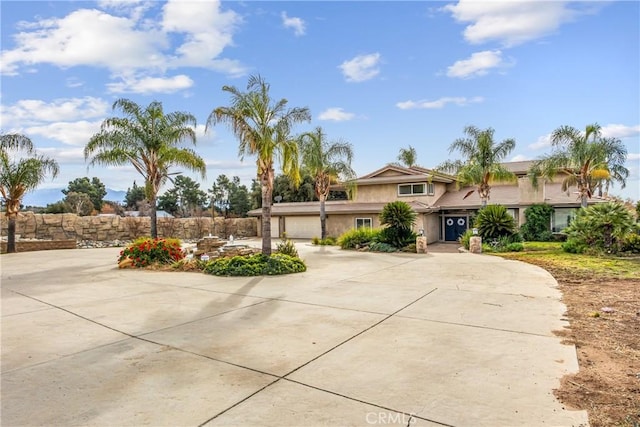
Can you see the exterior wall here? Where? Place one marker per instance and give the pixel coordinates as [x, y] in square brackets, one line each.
[431, 227]
[338, 224]
[100, 228]
[385, 193]
[528, 194]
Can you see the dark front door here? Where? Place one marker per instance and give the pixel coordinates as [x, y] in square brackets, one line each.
[454, 227]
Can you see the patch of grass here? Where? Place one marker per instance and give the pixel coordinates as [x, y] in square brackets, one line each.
[549, 255]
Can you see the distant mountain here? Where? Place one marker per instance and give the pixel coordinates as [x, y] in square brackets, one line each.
[45, 196]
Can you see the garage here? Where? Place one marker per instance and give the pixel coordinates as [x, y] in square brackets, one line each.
[302, 227]
[275, 227]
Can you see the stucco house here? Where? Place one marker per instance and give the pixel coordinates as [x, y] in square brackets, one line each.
[443, 210]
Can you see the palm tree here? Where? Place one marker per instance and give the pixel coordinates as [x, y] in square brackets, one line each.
[481, 165]
[20, 176]
[328, 163]
[263, 126]
[585, 159]
[151, 141]
[408, 157]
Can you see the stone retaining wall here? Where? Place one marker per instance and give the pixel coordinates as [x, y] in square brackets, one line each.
[100, 228]
[40, 245]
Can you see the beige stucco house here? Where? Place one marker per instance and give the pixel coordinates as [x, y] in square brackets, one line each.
[443, 209]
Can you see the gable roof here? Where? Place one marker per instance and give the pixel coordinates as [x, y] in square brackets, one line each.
[391, 174]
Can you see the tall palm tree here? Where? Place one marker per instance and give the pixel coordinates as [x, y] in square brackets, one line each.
[585, 160]
[151, 141]
[328, 163]
[481, 164]
[20, 176]
[408, 156]
[263, 127]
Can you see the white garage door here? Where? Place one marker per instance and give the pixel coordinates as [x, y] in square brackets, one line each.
[302, 227]
[275, 227]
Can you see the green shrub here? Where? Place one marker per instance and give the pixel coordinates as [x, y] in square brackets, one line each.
[287, 247]
[465, 238]
[146, 251]
[574, 246]
[600, 227]
[631, 243]
[328, 241]
[514, 247]
[397, 237]
[411, 247]
[382, 247]
[493, 221]
[255, 265]
[358, 237]
[538, 222]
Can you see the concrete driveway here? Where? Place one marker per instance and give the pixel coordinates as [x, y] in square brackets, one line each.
[359, 339]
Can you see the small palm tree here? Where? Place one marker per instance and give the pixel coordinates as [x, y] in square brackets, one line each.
[20, 176]
[585, 159]
[328, 163]
[481, 165]
[150, 140]
[408, 157]
[263, 127]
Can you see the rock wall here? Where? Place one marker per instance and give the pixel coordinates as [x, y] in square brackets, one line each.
[40, 245]
[101, 228]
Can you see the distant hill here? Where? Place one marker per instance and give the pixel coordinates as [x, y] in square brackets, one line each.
[45, 196]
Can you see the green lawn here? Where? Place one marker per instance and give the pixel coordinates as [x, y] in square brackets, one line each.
[550, 254]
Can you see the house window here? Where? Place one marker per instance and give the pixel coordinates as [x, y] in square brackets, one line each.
[514, 214]
[411, 189]
[431, 189]
[363, 222]
[561, 218]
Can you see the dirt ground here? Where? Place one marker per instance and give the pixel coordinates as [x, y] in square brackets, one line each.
[604, 316]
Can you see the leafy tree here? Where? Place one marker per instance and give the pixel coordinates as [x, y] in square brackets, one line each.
[408, 157]
[538, 223]
[481, 165]
[284, 187]
[95, 189]
[255, 194]
[134, 195]
[79, 203]
[19, 176]
[601, 227]
[230, 197]
[151, 141]
[399, 219]
[494, 221]
[57, 208]
[263, 127]
[585, 160]
[184, 198]
[168, 202]
[328, 163]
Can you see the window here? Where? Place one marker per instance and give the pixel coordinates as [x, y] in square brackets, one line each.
[561, 218]
[363, 222]
[430, 189]
[411, 189]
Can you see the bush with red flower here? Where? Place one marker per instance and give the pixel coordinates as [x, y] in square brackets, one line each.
[147, 251]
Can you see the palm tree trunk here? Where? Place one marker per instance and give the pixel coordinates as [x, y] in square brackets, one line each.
[323, 218]
[266, 221]
[154, 218]
[11, 234]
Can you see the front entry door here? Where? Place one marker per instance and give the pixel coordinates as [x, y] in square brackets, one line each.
[454, 227]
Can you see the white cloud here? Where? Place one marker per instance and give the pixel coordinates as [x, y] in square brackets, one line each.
[542, 142]
[64, 155]
[297, 24]
[129, 43]
[510, 22]
[633, 156]
[438, 103]
[70, 133]
[519, 158]
[146, 85]
[35, 111]
[361, 68]
[478, 64]
[620, 131]
[335, 114]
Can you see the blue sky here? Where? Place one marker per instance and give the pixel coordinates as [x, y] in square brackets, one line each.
[380, 75]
